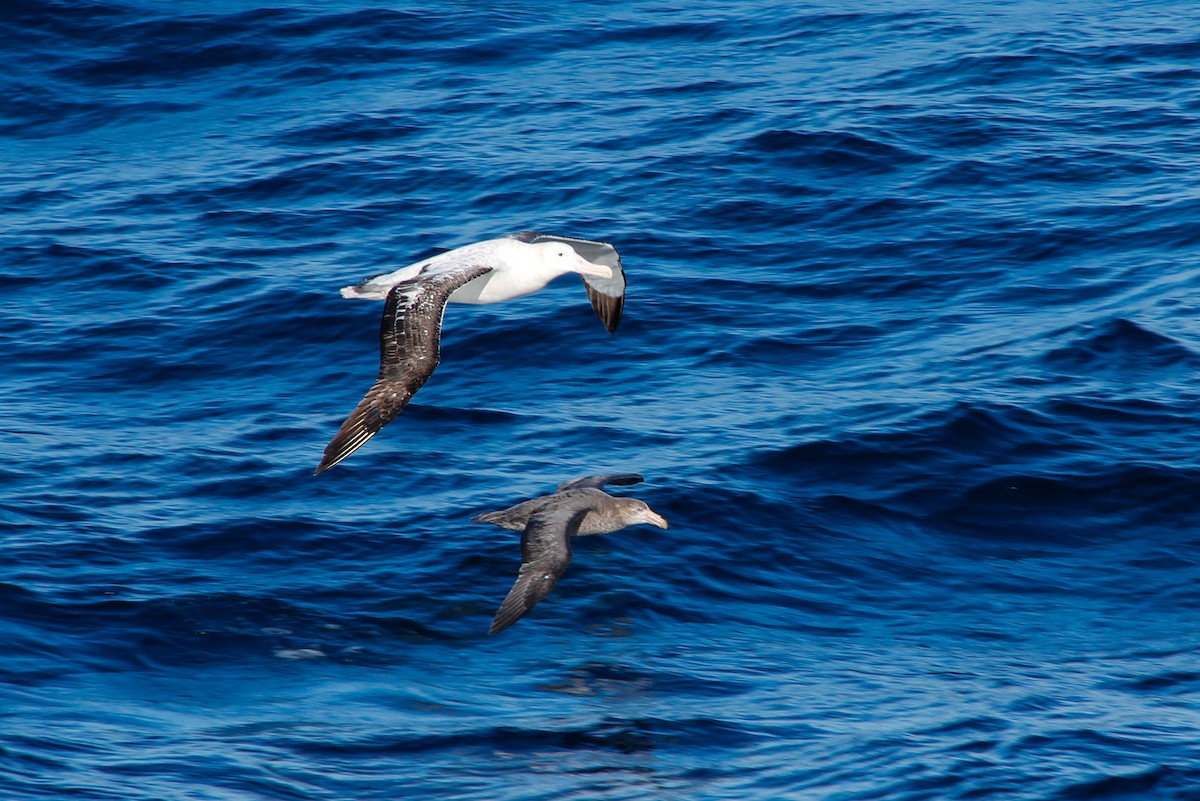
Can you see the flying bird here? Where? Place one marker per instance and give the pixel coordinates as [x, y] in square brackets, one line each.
[491, 271]
[578, 508]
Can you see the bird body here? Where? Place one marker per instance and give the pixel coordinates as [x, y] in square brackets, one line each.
[578, 508]
[599, 518]
[415, 299]
[517, 267]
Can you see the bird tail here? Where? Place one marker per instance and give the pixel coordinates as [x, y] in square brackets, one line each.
[514, 518]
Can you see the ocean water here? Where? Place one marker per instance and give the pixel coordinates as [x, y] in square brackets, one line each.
[910, 360]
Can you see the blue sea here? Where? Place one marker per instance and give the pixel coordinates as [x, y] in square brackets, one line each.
[910, 361]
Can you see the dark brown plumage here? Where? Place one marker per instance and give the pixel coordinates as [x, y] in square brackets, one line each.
[409, 351]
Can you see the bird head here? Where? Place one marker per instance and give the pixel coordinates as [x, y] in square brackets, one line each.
[559, 257]
[641, 513]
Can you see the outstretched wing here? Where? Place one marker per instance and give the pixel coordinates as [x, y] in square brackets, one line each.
[545, 554]
[409, 350]
[606, 294]
[599, 482]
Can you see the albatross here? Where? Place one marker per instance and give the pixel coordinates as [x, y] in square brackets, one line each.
[491, 271]
[577, 508]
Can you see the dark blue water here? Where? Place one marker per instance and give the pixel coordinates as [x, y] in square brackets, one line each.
[910, 360]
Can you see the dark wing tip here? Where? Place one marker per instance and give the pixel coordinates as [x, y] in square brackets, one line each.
[533, 584]
[520, 599]
[383, 403]
[608, 307]
[606, 294]
[600, 481]
[349, 438]
[505, 617]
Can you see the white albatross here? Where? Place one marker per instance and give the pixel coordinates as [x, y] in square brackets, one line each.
[491, 271]
[576, 509]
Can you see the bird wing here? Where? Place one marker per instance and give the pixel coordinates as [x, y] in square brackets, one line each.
[606, 294]
[409, 350]
[599, 482]
[545, 554]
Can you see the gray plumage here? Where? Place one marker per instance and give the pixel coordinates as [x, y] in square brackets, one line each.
[579, 508]
[514, 518]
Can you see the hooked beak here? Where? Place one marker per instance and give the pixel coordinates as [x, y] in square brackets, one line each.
[588, 268]
[655, 519]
